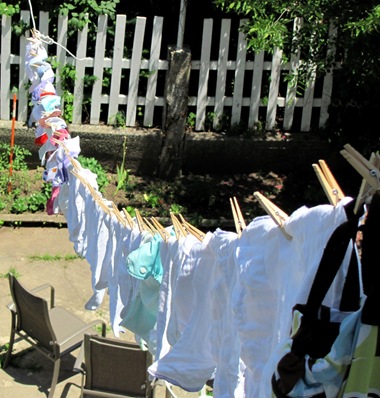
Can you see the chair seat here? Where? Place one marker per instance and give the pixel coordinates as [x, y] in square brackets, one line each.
[66, 326]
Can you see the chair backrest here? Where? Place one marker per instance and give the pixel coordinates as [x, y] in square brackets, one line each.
[116, 366]
[32, 314]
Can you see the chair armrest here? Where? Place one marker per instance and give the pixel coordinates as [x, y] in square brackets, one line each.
[84, 328]
[79, 365]
[46, 286]
[11, 306]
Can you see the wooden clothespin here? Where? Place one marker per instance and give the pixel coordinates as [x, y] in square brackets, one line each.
[368, 169]
[161, 229]
[150, 225]
[140, 222]
[363, 166]
[98, 199]
[129, 219]
[328, 182]
[178, 228]
[191, 229]
[238, 216]
[118, 215]
[277, 215]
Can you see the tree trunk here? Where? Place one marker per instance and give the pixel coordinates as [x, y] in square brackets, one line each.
[175, 114]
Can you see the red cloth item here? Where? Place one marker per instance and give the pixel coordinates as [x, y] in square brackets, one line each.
[41, 139]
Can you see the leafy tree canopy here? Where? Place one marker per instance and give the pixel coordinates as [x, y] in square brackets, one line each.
[355, 100]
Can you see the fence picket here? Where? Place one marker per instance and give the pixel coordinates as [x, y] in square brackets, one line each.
[138, 41]
[291, 92]
[153, 71]
[273, 89]
[257, 78]
[5, 76]
[308, 103]
[117, 64]
[22, 97]
[61, 52]
[222, 71]
[100, 47]
[204, 74]
[79, 77]
[239, 77]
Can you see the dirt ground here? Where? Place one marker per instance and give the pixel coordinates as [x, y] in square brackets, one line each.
[29, 374]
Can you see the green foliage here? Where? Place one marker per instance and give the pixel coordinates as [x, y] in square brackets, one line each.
[118, 120]
[11, 271]
[56, 257]
[15, 190]
[175, 208]
[152, 199]
[191, 119]
[19, 155]
[9, 9]
[122, 172]
[355, 100]
[93, 165]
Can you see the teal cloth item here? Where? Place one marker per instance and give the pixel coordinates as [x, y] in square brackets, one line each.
[142, 314]
[145, 264]
[146, 260]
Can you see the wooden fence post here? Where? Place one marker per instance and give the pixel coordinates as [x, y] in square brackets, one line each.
[175, 113]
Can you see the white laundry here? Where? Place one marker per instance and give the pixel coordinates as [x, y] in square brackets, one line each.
[189, 364]
[97, 236]
[295, 271]
[229, 377]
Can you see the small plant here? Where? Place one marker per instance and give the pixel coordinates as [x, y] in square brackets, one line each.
[191, 119]
[11, 271]
[152, 199]
[122, 172]
[3, 352]
[119, 120]
[177, 209]
[99, 329]
[93, 165]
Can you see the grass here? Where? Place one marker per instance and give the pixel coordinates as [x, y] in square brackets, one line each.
[11, 271]
[56, 257]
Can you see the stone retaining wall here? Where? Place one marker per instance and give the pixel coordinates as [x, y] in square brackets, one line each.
[204, 152]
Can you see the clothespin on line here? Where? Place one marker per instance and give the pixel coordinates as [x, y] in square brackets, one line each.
[277, 215]
[98, 199]
[191, 229]
[328, 182]
[140, 222]
[160, 229]
[129, 219]
[363, 166]
[237, 216]
[150, 225]
[366, 190]
[368, 169]
[118, 215]
[178, 228]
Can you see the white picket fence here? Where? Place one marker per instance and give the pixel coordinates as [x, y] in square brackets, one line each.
[250, 74]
